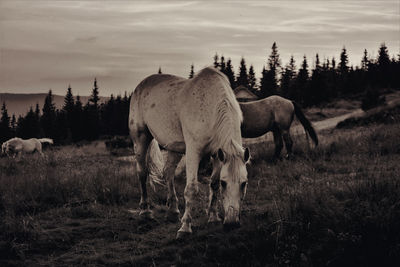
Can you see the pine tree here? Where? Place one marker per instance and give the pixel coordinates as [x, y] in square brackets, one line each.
[230, 73]
[5, 129]
[77, 127]
[365, 61]
[343, 68]
[216, 58]
[383, 67]
[269, 83]
[222, 65]
[69, 101]
[287, 79]
[300, 95]
[317, 63]
[383, 56]
[252, 79]
[13, 124]
[94, 98]
[274, 61]
[159, 70]
[37, 111]
[191, 74]
[317, 84]
[242, 79]
[92, 111]
[48, 119]
[326, 65]
[68, 110]
[262, 92]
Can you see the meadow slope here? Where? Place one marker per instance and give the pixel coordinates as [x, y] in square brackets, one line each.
[334, 205]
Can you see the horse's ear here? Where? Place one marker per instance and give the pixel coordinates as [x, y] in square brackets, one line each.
[221, 155]
[246, 155]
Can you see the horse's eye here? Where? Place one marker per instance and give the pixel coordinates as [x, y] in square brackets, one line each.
[243, 186]
[223, 184]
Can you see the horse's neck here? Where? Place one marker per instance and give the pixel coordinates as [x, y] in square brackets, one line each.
[226, 128]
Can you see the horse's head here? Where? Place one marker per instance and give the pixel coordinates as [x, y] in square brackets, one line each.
[233, 183]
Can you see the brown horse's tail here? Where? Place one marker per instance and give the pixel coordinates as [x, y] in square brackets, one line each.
[305, 122]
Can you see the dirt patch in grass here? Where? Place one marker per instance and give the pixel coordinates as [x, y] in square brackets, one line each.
[385, 115]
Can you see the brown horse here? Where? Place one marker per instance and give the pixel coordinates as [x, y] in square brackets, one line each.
[274, 114]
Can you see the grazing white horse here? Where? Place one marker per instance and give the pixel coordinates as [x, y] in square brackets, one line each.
[198, 117]
[16, 146]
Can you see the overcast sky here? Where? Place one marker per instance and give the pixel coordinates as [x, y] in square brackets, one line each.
[50, 44]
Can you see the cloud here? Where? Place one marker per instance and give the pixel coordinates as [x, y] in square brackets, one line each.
[52, 43]
[89, 39]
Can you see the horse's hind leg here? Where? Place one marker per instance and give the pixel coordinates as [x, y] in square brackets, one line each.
[288, 142]
[168, 176]
[278, 141]
[39, 149]
[141, 144]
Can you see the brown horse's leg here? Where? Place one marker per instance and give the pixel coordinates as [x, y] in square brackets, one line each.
[173, 159]
[141, 144]
[191, 189]
[288, 142]
[278, 141]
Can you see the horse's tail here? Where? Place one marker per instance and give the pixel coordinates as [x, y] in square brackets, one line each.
[305, 122]
[46, 140]
[155, 164]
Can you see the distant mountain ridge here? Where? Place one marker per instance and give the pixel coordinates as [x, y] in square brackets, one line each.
[19, 104]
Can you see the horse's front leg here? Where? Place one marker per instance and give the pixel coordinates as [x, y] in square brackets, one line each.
[168, 176]
[214, 192]
[191, 189]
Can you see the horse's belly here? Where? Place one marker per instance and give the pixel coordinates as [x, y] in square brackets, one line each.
[253, 132]
[164, 125]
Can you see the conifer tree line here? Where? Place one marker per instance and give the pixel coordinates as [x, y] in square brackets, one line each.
[324, 82]
[327, 80]
[74, 122]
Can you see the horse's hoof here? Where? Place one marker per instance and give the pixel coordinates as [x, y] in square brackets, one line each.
[212, 224]
[181, 235]
[214, 219]
[172, 216]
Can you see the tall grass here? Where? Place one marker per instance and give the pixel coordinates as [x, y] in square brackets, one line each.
[337, 204]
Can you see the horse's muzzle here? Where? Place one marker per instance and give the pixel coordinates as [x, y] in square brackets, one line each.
[232, 219]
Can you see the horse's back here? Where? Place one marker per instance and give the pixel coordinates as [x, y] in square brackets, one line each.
[170, 106]
[153, 107]
[283, 110]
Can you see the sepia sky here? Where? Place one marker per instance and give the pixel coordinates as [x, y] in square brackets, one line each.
[50, 44]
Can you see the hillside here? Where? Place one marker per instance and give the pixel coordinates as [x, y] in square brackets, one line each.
[19, 104]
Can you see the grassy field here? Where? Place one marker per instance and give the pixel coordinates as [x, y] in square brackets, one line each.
[334, 205]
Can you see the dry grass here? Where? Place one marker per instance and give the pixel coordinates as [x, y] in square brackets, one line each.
[336, 205]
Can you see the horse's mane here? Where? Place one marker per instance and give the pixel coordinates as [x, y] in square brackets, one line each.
[229, 116]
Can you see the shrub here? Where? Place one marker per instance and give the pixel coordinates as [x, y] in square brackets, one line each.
[372, 99]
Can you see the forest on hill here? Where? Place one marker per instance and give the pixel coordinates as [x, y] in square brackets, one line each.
[326, 81]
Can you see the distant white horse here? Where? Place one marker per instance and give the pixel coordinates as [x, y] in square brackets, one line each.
[17, 146]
